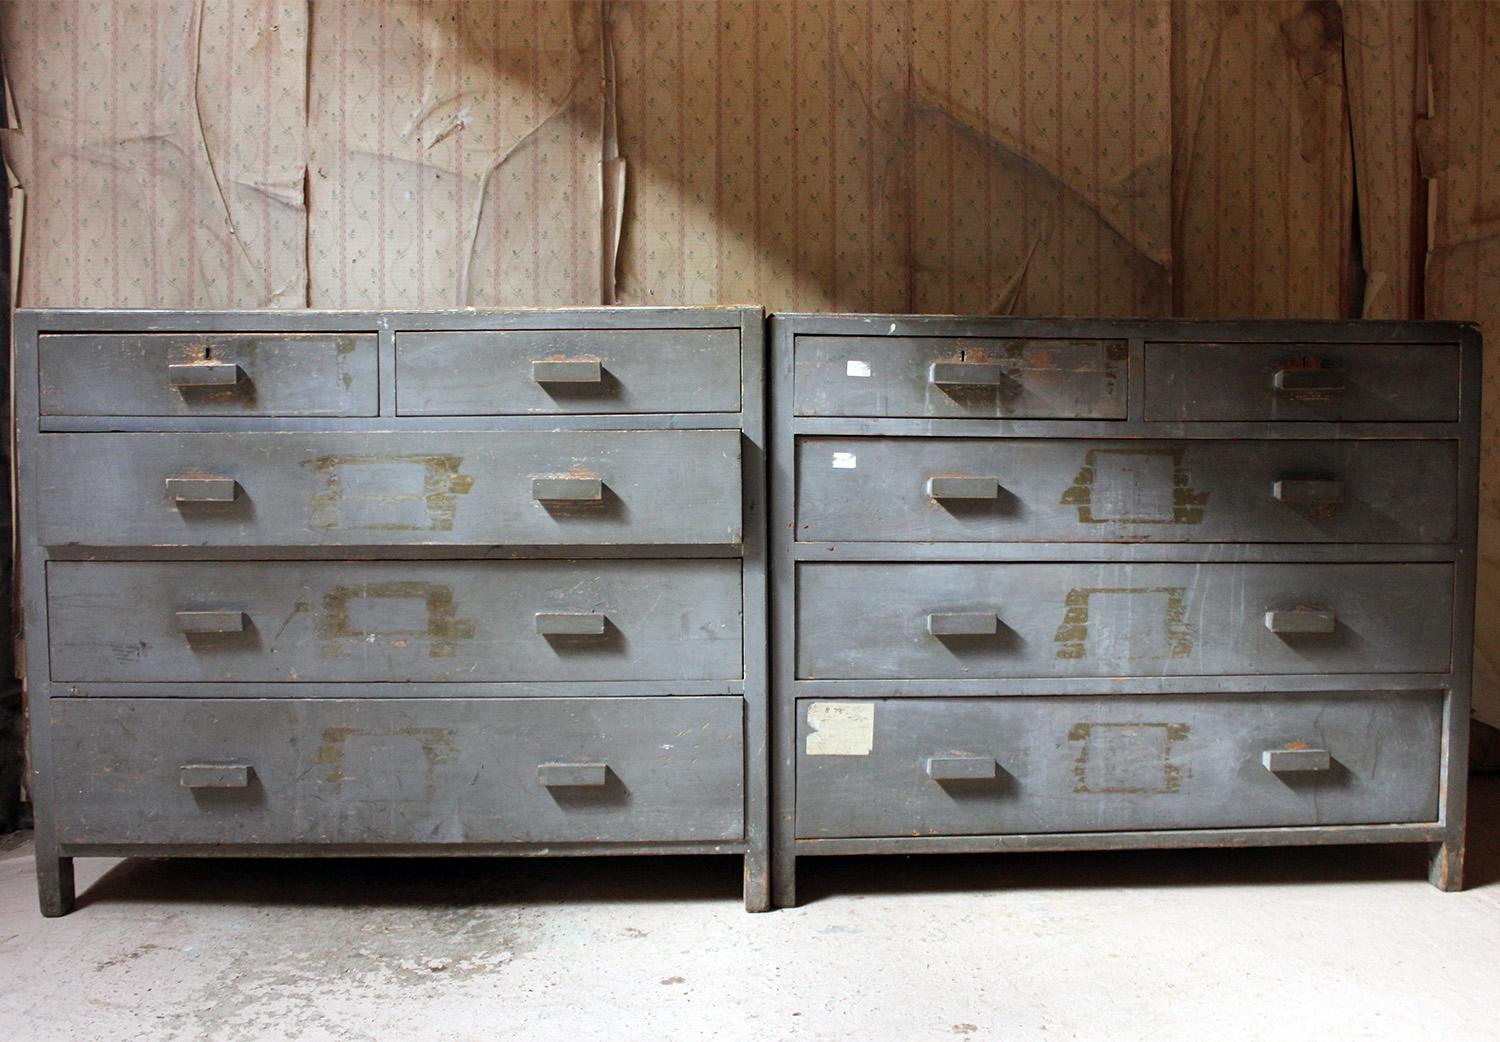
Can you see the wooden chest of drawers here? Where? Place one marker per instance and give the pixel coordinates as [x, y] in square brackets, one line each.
[398, 583]
[1051, 584]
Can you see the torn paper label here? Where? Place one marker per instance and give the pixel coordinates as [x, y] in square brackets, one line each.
[845, 461]
[857, 368]
[840, 728]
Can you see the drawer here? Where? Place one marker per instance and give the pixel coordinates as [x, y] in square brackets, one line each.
[447, 621]
[397, 771]
[208, 374]
[543, 488]
[917, 767]
[1015, 490]
[1292, 381]
[917, 621]
[960, 376]
[525, 371]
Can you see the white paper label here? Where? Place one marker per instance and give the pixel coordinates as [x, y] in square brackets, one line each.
[841, 728]
[857, 368]
[845, 461]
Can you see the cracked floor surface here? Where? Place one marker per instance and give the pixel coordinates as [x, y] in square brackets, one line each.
[1345, 942]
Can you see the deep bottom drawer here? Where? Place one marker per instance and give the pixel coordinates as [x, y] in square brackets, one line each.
[391, 771]
[913, 767]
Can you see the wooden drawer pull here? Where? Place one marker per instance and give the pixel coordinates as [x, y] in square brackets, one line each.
[961, 768]
[1294, 761]
[211, 623]
[214, 776]
[1302, 620]
[572, 775]
[189, 375]
[1308, 378]
[567, 371]
[203, 490]
[965, 374]
[1308, 493]
[567, 490]
[963, 488]
[570, 623]
[963, 624]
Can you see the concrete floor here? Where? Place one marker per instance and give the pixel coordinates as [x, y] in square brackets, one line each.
[1344, 943]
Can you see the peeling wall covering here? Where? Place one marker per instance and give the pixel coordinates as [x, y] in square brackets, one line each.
[1131, 157]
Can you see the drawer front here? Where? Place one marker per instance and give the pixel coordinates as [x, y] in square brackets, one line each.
[918, 767]
[917, 621]
[512, 488]
[960, 376]
[395, 621]
[525, 371]
[208, 374]
[952, 489]
[1337, 382]
[392, 771]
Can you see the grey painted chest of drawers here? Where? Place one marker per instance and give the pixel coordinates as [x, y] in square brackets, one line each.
[394, 583]
[1056, 584]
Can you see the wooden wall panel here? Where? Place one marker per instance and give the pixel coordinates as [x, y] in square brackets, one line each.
[1263, 180]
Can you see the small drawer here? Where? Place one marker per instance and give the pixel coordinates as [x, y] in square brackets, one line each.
[1302, 382]
[874, 621]
[434, 621]
[1025, 490]
[960, 377]
[935, 767]
[541, 488]
[208, 374]
[397, 771]
[541, 371]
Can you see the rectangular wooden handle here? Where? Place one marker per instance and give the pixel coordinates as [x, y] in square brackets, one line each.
[211, 623]
[203, 490]
[572, 775]
[214, 775]
[567, 490]
[1308, 378]
[965, 374]
[963, 624]
[1302, 620]
[1289, 761]
[570, 623]
[1304, 492]
[184, 375]
[961, 768]
[567, 371]
[963, 488]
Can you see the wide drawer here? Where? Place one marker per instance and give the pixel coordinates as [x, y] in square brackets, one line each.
[1010, 490]
[866, 621]
[394, 621]
[390, 489]
[918, 767]
[393, 771]
[521, 371]
[1301, 381]
[208, 374]
[960, 376]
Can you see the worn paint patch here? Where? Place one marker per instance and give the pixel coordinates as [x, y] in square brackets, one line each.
[840, 728]
[354, 614]
[1081, 608]
[1134, 758]
[1136, 486]
[381, 753]
[388, 492]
